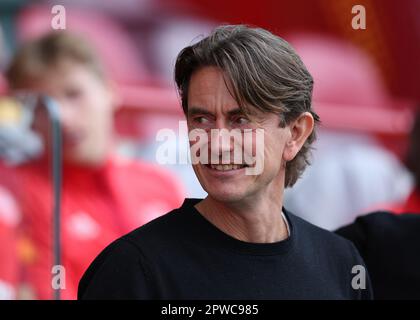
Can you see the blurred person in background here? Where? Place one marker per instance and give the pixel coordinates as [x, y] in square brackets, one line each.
[412, 161]
[390, 243]
[103, 196]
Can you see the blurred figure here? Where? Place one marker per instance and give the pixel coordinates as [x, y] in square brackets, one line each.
[103, 196]
[412, 203]
[389, 243]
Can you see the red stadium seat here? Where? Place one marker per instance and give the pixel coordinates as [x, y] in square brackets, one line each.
[349, 93]
[123, 60]
[145, 110]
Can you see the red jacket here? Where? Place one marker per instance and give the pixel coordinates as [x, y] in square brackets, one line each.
[9, 270]
[98, 206]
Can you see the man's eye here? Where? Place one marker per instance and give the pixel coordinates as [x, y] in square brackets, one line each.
[241, 120]
[201, 120]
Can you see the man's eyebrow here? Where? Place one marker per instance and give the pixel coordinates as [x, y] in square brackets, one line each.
[197, 110]
[236, 112]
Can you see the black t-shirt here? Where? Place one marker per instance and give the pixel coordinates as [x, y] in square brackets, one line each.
[390, 246]
[181, 255]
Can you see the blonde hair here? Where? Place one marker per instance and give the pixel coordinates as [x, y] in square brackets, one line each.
[34, 57]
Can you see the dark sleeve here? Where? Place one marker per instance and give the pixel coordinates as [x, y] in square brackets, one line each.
[370, 231]
[119, 272]
[374, 236]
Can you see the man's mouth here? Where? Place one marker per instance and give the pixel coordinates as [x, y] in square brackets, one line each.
[225, 167]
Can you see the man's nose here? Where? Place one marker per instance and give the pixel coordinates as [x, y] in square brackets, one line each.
[221, 142]
[222, 135]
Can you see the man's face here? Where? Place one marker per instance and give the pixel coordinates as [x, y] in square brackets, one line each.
[86, 109]
[211, 106]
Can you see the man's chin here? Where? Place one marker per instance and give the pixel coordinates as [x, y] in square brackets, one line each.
[225, 194]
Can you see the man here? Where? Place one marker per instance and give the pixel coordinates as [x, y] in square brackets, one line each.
[237, 243]
[103, 196]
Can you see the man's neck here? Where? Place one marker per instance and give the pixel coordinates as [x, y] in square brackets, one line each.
[253, 221]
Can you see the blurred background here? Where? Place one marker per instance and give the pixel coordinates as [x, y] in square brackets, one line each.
[366, 93]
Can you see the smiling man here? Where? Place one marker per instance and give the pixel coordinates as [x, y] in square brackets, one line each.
[239, 242]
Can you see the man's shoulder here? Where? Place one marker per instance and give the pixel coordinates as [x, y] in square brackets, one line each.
[160, 234]
[165, 223]
[328, 241]
[115, 264]
[333, 253]
[137, 249]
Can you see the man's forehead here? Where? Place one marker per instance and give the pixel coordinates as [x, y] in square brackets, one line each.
[209, 82]
[211, 91]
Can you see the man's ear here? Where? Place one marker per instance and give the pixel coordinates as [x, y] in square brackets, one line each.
[300, 129]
